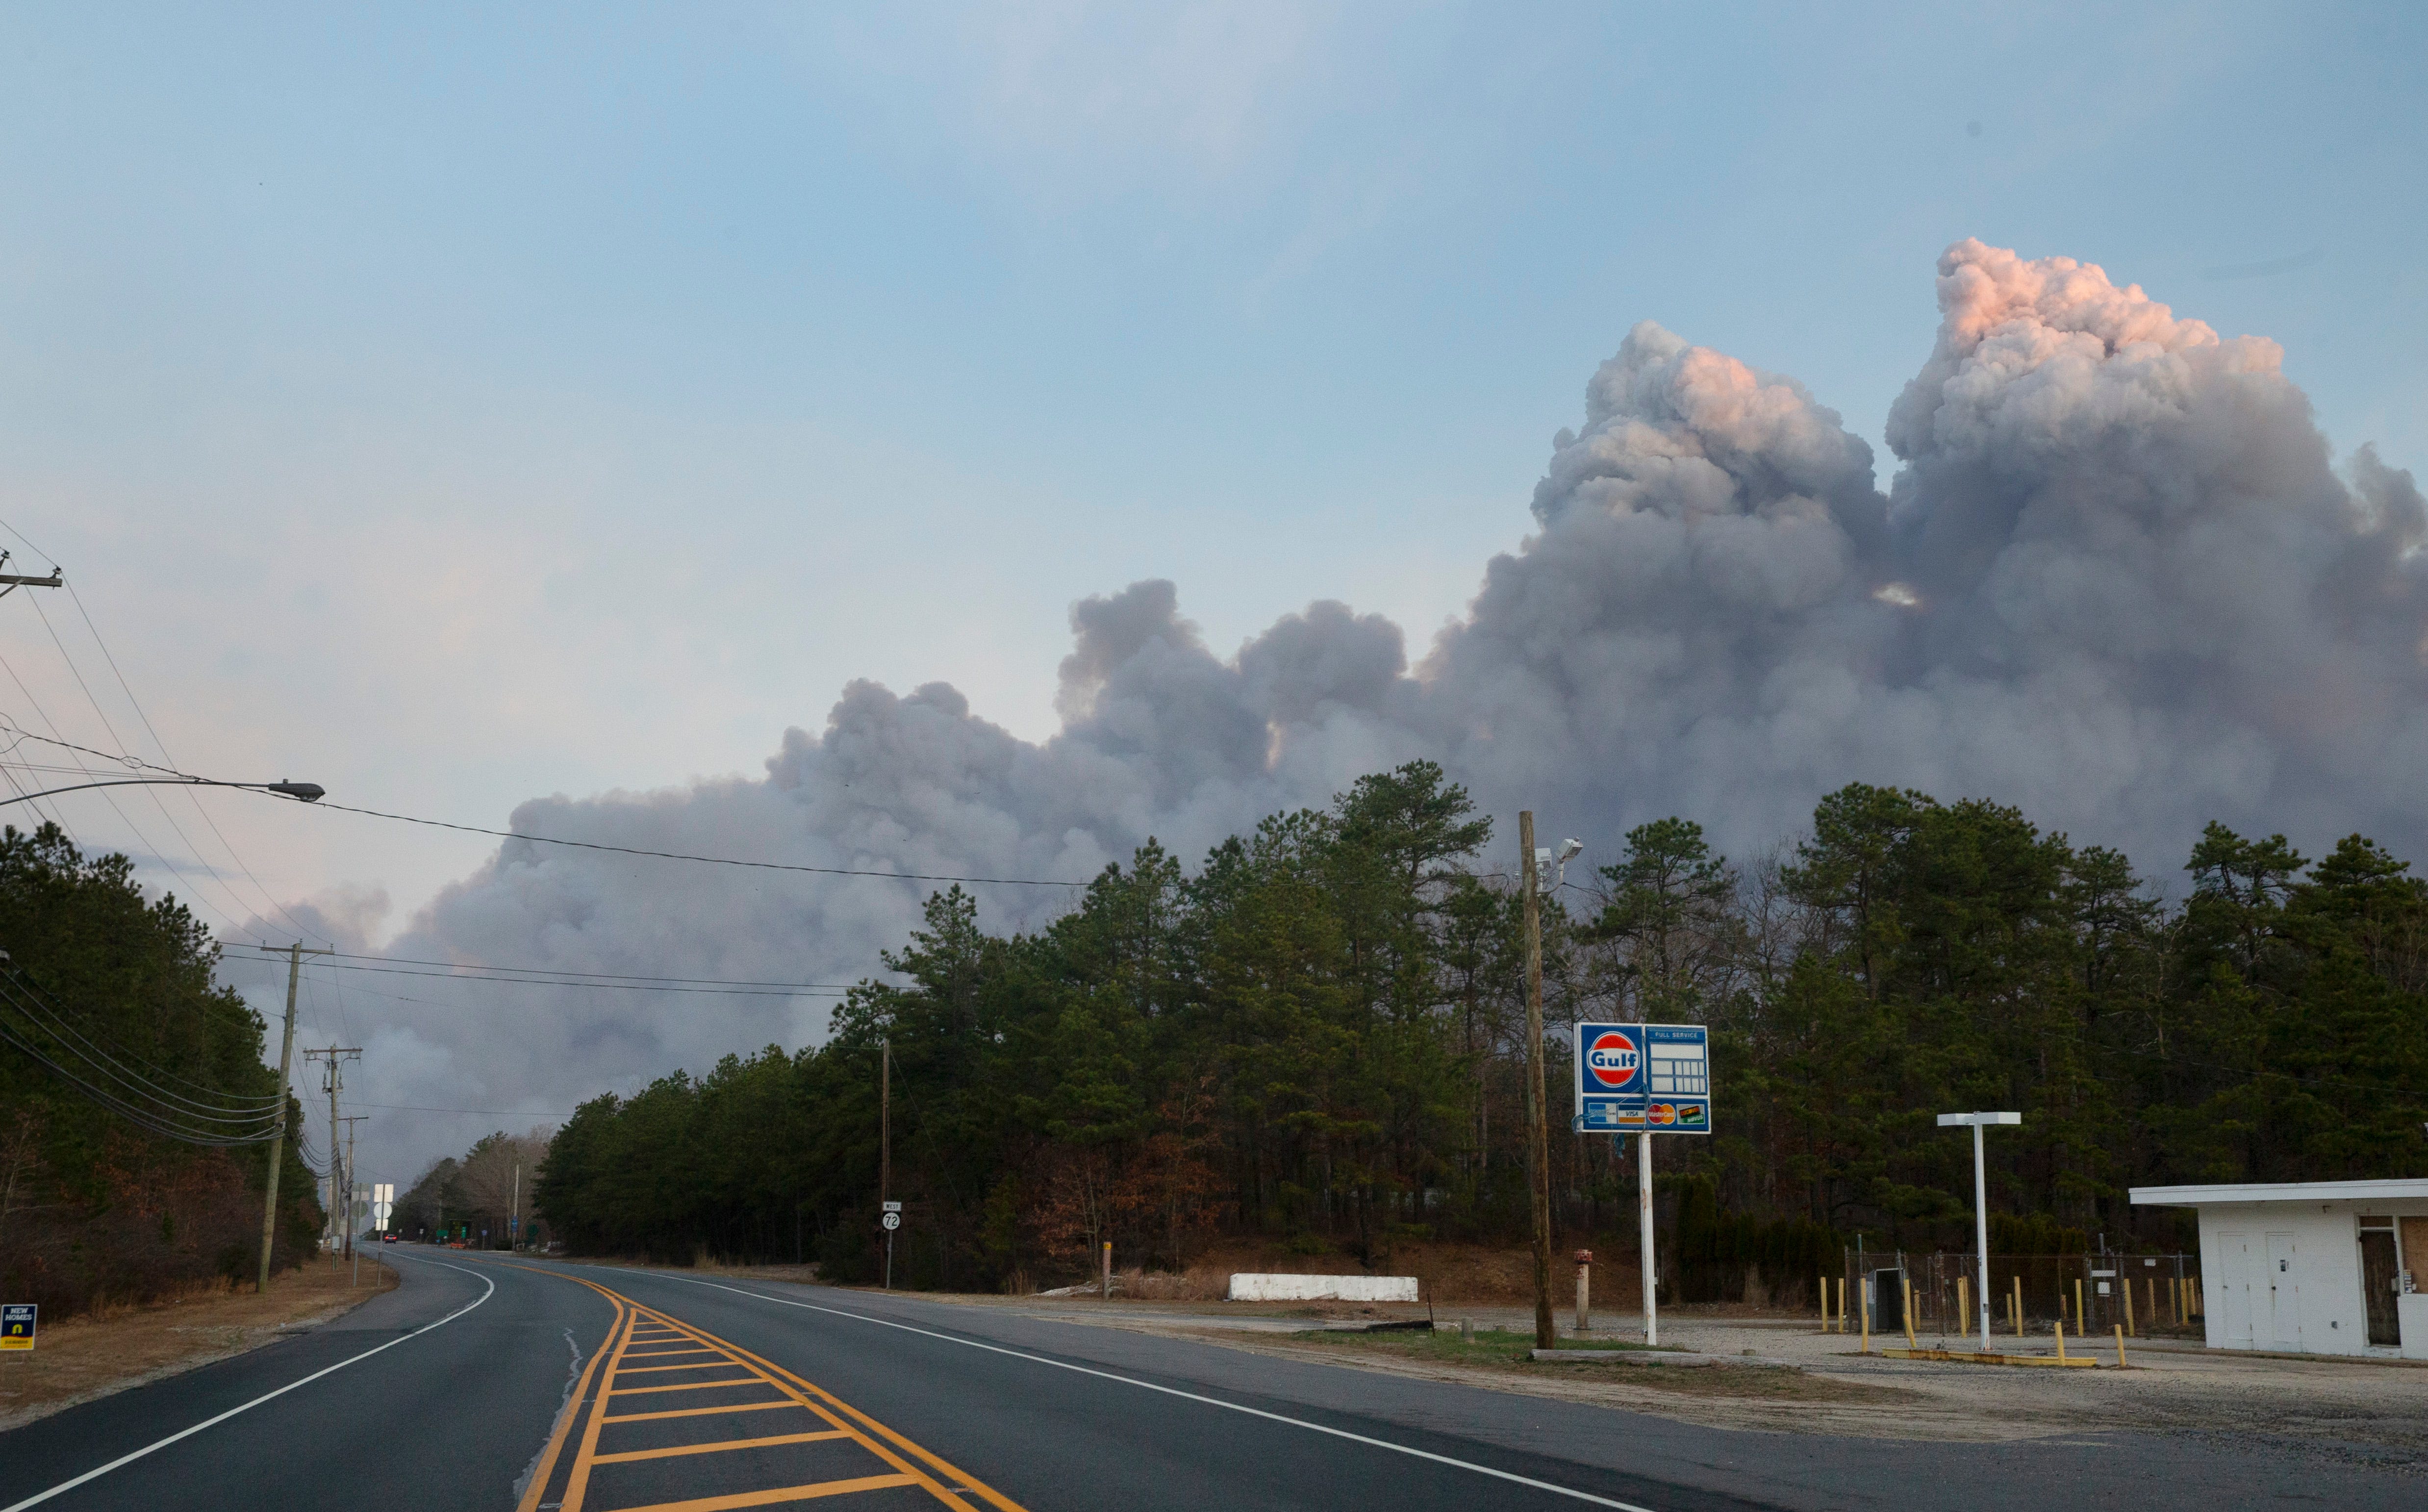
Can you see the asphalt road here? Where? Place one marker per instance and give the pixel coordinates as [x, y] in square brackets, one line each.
[485, 1382]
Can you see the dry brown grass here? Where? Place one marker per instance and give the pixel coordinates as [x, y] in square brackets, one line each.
[118, 1345]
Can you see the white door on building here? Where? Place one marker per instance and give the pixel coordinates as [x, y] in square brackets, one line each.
[2242, 1271]
[2284, 1293]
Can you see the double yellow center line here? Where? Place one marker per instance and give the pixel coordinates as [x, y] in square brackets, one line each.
[651, 1355]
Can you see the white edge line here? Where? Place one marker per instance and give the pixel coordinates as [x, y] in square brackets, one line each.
[98, 1472]
[1190, 1396]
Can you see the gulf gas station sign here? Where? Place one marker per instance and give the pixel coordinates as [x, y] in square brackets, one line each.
[1632, 1078]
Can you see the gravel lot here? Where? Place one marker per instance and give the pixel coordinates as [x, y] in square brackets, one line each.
[2353, 1411]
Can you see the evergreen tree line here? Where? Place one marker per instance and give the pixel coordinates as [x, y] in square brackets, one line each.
[95, 1206]
[1318, 1037]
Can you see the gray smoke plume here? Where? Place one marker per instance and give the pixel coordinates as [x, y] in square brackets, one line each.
[2117, 582]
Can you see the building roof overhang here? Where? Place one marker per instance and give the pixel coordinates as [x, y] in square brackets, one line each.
[2394, 1191]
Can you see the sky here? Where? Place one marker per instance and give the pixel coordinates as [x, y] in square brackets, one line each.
[460, 407]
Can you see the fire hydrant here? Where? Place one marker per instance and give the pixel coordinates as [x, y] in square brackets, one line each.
[1584, 1291]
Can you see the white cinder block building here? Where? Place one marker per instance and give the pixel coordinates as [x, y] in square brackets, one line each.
[2311, 1267]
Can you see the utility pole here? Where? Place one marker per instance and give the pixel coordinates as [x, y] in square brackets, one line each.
[295, 954]
[515, 1212]
[331, 1081]
[1538, 1145]
[349, 1209]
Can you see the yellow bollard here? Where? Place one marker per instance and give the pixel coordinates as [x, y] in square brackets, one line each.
[1910, 1341]
[1964, 1303]
[1841, 1304]
[2120, 1346]
[1825, 1304]
[2059, 1326]
[1863, 1313]
[2081, 1318]
[2126, 1285]
[2017, 1305]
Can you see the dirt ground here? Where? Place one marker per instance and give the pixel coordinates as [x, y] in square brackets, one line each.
[75, 1360]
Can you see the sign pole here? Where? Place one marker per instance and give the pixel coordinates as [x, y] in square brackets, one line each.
[1644, 1234]
[1981, 1202]
[1981, 1231]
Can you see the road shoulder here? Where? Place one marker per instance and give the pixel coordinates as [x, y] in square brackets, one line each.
[84, 1359]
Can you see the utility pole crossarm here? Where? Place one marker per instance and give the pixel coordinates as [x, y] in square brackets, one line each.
[17, 579]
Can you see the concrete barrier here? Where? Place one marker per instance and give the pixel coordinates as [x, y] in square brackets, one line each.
[1268, 1286]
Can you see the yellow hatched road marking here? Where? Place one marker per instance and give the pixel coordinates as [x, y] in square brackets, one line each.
[663, 1329]
[782, 1493]
[577, 1484]
[962, 1480]
[692, 1386]
[674, 1451]
[705, 1412]
[572, 1410]
[703, 1365]
[653, 1354]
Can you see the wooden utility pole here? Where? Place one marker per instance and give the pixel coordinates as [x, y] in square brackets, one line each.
[345, 1204]
[1538, 1145]
[295, 954]
[335, 1080]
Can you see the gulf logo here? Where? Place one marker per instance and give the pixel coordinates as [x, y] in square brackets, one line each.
[1613, 1062]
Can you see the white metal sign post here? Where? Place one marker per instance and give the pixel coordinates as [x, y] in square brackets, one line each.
[1642, 1079]
[1981, 1203]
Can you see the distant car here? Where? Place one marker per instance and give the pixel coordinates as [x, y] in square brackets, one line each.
[387, 1239]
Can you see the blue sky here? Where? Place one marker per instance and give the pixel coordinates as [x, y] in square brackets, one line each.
[459, 405]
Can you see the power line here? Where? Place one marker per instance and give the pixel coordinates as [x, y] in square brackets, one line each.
[76, 672]
[138, 1078]
[157, 854]
[553, 971]
[484, 1112]
[161, 1121]
[708, 861]
[593, 844]
[743, 990]
[171, 758]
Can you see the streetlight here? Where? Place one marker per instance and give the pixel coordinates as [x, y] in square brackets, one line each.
[1980, 1201]
[300, 792]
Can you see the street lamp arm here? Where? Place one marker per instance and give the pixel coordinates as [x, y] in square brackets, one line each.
[300, 792]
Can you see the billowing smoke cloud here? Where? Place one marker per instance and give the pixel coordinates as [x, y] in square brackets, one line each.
[2117, 580]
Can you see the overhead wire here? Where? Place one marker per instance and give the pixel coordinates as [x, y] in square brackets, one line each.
[740, 990]
[16, 988]
[127, 1098]
[126, 752]
[594, 845]
[157, 854]
[169, 757]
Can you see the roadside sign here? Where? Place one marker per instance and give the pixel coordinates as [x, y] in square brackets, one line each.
[17, 1325]
[893, 1220]
[894, 1206]
[1610, 1077]
[1678, 1077]
[1632, 1077]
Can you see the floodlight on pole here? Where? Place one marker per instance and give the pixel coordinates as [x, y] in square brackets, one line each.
[1980, 1201]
